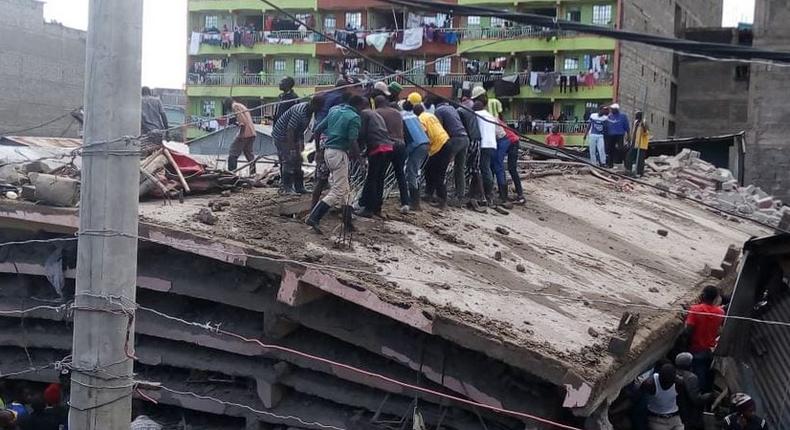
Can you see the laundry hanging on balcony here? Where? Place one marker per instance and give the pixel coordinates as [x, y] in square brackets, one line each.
[378, 40]
[412, 39]
[508, 86]
[194, 43]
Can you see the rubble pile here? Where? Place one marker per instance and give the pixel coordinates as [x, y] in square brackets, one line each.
[687, 174]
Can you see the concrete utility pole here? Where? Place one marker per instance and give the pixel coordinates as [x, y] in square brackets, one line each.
[101, 387]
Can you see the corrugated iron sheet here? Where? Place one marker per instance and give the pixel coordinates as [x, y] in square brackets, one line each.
[42, 142]
[770, 361]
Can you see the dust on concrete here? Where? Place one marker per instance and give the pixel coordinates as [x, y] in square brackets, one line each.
[586, 250]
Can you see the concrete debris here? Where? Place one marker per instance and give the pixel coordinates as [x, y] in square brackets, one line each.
[11, 195]
[520, 268]
[207, 217]
[502, 230]
[662, 232]
[593, 332]
[55, 190]
[498, 256]
[688, 175]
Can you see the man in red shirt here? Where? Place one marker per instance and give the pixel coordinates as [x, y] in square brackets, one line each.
[702, 328]
[555, 139]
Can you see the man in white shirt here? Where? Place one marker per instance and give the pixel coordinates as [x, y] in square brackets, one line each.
[488, 136]
[594, 136]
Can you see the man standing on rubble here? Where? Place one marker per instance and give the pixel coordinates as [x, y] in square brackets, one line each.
[703, 324]
[331, 99]
[439, 156]
[288, 134]
[662, 391]
[246, 137]
[469, 119]
[416, 148]
[154, 120]
[617, 128]
[459, 144]
[379, 147]
[488, 124]
[341, 127]
[394, 122]
[690, 401]
[594, 136]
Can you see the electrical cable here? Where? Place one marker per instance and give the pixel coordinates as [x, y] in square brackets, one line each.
[37, 126]
[718, 50]
[530, 141]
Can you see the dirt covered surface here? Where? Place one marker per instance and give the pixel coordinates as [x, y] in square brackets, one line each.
[553, 276]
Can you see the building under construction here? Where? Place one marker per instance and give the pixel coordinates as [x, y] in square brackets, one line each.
[456, 319]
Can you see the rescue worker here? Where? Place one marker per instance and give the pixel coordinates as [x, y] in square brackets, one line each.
[288, 134]
[246, 138]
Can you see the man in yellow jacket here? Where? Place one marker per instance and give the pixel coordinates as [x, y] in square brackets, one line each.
[439, 156]
[640, 142]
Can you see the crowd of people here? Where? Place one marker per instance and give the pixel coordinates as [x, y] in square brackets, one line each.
[675, 394]
[419, 137]
[612, 139]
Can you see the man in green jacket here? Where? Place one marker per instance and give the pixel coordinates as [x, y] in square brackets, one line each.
[341, 128]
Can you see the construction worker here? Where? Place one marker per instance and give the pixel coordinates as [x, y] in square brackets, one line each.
[341, 127]
[246, 138]
[331, 99]
[288, 134]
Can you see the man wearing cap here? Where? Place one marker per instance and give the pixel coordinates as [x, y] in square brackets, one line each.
[595, 138]
[395, 90]
[469, 118]
[745, 417]
[690, 401]
[617, 127]
[488, 124]
[379, 89]
[342, 130]
[439, 155]
[416, 149]
[331, 99]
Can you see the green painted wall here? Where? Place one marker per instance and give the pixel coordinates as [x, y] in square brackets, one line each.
[570, 139]
[226, 5]
[261, 49]
[580, 43]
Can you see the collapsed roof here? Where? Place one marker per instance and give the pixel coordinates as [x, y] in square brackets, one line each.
[515, 311]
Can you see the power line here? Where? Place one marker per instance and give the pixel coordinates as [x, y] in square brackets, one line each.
[37, 126]
[717, 50]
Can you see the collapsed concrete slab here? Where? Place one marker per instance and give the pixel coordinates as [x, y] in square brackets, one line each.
[426, 292]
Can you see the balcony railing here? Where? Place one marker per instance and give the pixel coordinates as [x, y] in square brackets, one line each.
[233, 79]
[473, 33]
[255, 37]
[567, 127]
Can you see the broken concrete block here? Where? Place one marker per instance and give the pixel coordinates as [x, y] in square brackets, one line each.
[207, 217]
[498, 256]
[10, 174]
[520, 268]
[29, 193]
[745, 209]
[765, 202]
[733, 254]
[662, 232]
[620, 344]
[56, 190]
[593, 332]
[502, 230]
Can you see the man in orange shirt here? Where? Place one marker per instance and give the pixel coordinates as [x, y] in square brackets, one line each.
[246, 138]
[555, 139]
[702, 329]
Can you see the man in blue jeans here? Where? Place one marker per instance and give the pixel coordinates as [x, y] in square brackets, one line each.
[594, 136]
[459, 144]
[416, 150]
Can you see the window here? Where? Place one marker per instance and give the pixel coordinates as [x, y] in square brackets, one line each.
[497, 21]
[571, 64]
[300, 66]
[602, 14]
[443, 66]
[574, 14]
[209, 108]
[279, 66]
[212, 21]
[742, 73]
[569, 111]
[354, 19]
[330, 23]
[418, 66]
[472, 20]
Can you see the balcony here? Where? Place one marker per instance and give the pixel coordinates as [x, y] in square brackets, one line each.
[256, 5]
[260, 43]
[523, 39]
[436, 48]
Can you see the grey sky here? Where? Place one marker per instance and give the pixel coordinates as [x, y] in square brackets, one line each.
[165, 28]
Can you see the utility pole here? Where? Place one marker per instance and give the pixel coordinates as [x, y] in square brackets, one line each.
[101, 380]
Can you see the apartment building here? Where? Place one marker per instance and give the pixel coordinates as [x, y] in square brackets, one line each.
[544, 77]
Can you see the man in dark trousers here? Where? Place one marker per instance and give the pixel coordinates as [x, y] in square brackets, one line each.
[154, 120]
[469, 118]
[287, 98]
[703, 324]
[394, 121]
[374, 136]
[288, 134]
[690, 400]
[459, 144]
[341, 127]
[617, 128]
[246, 138]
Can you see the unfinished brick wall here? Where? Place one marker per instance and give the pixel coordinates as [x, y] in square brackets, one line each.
[768, 144]
[646, 73]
